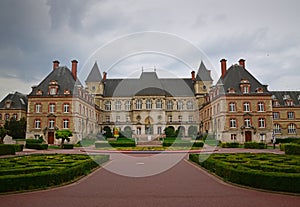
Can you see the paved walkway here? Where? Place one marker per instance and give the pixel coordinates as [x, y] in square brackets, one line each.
[182, 185]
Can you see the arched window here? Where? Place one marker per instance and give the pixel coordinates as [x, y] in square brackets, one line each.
[118, 105]
[128, 105]
[179, 105]
[138, 104]
[277, 128]
[170, 105]
[159, 104]
[148, 104]
[292, 129]
[189, 105]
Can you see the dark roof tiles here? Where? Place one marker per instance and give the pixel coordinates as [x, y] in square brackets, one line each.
[18, 101]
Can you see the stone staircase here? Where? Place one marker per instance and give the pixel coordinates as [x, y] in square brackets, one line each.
[148, 140]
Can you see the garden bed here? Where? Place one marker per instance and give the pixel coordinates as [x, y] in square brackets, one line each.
[264, 171]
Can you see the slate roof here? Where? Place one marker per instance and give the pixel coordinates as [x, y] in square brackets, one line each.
[94, 75]
[18, 101]
[148, 85]
[290, 95]
[233, 77]
[203, 74]
[63, 76]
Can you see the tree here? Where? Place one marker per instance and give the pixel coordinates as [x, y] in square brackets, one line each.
[3, 133]
[16, 129]
[192, 131]
[170, 131]
[63, 135]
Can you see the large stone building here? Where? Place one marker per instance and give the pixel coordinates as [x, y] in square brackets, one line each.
[14, 105]
[61, 102]
[149, 104]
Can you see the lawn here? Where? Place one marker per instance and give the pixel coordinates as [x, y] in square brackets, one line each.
[263, 170]
[41, 171]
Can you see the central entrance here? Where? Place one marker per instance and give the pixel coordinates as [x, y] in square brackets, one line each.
[248, 136]
[50, 137]
[149, 125]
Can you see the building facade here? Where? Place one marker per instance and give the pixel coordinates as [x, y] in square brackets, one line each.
[61, 102]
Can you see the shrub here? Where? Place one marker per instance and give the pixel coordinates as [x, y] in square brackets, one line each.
[287, 140]
[255, 145]
[36, 146]
[182, 143]
[292, 149]
[7, 149]
[230, 145]
[40, 140]
[68, 146]
[18, 147]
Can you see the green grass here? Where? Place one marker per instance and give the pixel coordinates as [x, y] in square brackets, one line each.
[263, 170]
[41, 171]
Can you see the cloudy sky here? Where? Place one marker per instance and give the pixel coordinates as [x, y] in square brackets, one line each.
[36, 32]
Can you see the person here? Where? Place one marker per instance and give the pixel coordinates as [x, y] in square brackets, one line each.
[274, 142]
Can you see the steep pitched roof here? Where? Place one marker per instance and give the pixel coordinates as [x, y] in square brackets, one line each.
[203, 74]
[63, 76]
[94, 75]
[281, 96]
[233, 77]
[17, 100]
[148, 85]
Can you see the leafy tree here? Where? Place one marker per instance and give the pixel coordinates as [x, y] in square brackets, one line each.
[63, 134]
[107, 132]
[170, 131]
[16, 129]
[3, 133]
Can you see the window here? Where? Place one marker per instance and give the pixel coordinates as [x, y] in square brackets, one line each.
[51, 124]
[128, 105]
[189, 105]
[275, 115]
[52, 108]
[107, 119]
[118, 105]
[261, 123]
[15, 116]
[159, 104]
[148, 104]
[66, 123]
[38, 108]
[37, 124]
[246, 107]
[66, 108]
[118, 118]
[107, 106]
[262, 137]
[247, 123]
[233, 137]
[277, 128]
[138, 104]
[231, 106]
[289, 103]
[275, 103]
[179, 105]
[6, 117]
[245, 89]
[159, 130]
[232, 123]
[170, 118]
[127, 118]
[52, 91]
[291, 115]
[170, 105]
[138, 130]
[260, 107]
[180, 118]
[291, 129]
[191, 119]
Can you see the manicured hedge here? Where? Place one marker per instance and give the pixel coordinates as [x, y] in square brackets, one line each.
[288, 140]
[255, 145]
[36, 146]
[121, 142]
[7, 149]
[230, 145]
[44, 170]
[182, 143]
[292, 149]
[68, 146]
[265, 171]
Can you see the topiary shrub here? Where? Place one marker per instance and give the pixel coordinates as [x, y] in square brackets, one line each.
[230, 145]
[255, 145]
[292, 149]
[68, 146]
[36, 146]
[7, 149]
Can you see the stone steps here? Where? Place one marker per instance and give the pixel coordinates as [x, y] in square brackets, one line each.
[149, 143]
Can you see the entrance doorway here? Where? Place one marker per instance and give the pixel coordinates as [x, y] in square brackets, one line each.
[248, 136]
[50, 137]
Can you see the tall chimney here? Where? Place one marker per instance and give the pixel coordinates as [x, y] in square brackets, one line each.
[74, 68]
[242, 63]
[223, 67]
[104, 76]
[55, 64]
[193, 75]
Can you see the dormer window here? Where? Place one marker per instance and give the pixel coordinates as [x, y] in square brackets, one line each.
[245, 86]
[67, 92]
[8, 104]
[289, 102]
[286, 97]
[39, 92]
[259, 90]
[274, 97]
[53, 87]
[52, 91]
[231, 90]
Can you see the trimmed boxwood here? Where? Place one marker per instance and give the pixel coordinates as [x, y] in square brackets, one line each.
[292, 149]
[7, 149]
[250, 172]
[68, 146]
[36, 146]
[182, 143]
[51, 170]
[230, 145]
[288, 140]
[255, 145]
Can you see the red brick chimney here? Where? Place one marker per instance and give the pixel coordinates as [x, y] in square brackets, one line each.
[193, 75]
[223, 67]
[242, 63]
[55, 64]
[74, 68]
[104, 76]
